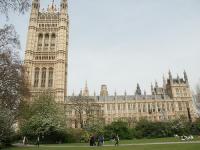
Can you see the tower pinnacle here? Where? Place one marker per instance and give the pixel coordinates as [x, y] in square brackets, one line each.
[63, 6]
[35, 6]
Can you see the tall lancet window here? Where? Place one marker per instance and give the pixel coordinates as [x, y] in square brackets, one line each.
[40, 38]
[36, 77]
[50, 82]
[53, 41]
[43, 77]
[46, 42]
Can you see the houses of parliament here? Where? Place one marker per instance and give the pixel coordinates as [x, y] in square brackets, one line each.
[46, 61]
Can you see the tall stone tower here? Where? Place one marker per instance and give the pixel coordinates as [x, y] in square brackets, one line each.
[46, 55]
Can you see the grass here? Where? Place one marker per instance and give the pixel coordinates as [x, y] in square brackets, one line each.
[166, 146]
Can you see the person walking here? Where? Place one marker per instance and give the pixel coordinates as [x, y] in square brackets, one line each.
[101, 138]
[24, 140]
[38, 142]
[117, 140]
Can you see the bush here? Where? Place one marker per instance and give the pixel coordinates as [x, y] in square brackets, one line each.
[76, 136]
[148, 129]
[121, 128]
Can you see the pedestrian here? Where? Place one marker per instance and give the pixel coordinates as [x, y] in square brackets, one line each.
[38, 142]
[91, 141]
[101, 139]
[98, 141]
[117, 140]
[24, 140]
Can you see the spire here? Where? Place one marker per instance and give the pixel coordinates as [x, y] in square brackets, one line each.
[125, 93]
[52, 7]
[170, 75]
[138, 90]
[178, 78]
[86, 90]
[156, 84]
[152, 89]
[115, 93]
[185, 76]
[145, 94]
[164, 82]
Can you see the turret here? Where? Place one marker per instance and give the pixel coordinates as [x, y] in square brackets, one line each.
[152, 89]
[185, 76]
[164, 82]
[156, 84]
[170, 77]
[115, 93]
[138, 90]
[125, 93]
[178, 78]
[86, 90]
[104, 90]
[63, 6]
[35, 7]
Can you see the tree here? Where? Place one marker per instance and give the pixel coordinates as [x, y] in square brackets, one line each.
[12, 79]
[13, 91]
[87, 111]
[45, 118]
[19, 6]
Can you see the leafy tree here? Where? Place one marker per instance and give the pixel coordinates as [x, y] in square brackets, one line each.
[181, 126]
[45, 119]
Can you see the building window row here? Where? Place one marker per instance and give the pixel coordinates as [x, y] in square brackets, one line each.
[48, 25]
[44, 72]
[44, 57]
[46, 41]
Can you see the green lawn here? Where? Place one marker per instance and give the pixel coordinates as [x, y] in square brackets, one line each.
[147, 147]
[142, 146]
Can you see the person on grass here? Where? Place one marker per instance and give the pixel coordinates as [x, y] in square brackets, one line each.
[117, 140]
[38, 142]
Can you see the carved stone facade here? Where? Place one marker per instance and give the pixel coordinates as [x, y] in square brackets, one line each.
[46, 54]
[171, 101]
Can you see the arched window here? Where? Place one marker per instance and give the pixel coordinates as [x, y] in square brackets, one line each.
[53, 41]
[50, 82]
[36, 77]
[43, 77]
[46, 42]
[40, 38]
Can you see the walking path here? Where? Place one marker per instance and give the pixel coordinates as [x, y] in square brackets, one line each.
[109, 145]
[139, 144]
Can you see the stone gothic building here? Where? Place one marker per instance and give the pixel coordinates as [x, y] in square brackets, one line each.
[46, 61]
[167, 102]
[46, 54]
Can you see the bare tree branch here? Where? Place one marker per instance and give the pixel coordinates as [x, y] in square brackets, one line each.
[20, 6]
[86, 109]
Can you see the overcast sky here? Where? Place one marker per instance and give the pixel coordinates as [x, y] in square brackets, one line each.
[124, 42]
